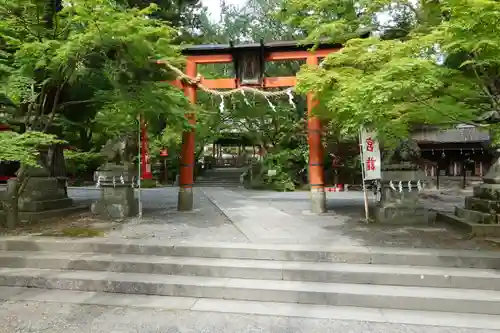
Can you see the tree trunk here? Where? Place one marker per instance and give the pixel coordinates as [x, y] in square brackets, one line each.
[10, 204]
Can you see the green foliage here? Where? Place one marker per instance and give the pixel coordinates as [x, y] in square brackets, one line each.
[394, 84]
[24, 148]
[78, 162]
[96, 56]
[289, 165]
[148, 183]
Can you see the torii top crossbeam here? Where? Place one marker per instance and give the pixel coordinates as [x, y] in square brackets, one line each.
[249, 61]
[249, 66]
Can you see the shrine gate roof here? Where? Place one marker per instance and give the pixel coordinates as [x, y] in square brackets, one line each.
[266, 47]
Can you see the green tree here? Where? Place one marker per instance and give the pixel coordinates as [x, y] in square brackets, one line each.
[45, 64]
[393, 84]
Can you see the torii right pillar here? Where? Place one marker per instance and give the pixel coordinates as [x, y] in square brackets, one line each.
[316, 172]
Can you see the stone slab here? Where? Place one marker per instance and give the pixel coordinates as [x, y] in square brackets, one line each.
[41, 189]
[263, 222]
[401, 215]
[116, 203]
[487, 191]
[259, 269]
[482, 205]
[472, 229]
[43, 205]
[372, 296]
[34, 217]
[146, 314]
[285, 252]
[476, 217]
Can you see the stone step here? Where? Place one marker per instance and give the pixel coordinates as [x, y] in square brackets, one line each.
[474, 216]
[340, 294]
[482, 205]
[290, 310]
[259, 269]
[283, 252]
[472, 229]
[487, 191]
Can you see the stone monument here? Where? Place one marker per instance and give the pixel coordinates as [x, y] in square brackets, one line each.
[398, 191]
[42, 192]
[115, 178]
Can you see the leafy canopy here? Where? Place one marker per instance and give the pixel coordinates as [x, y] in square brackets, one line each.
[394, 81]
[90, 53]
[24, 147]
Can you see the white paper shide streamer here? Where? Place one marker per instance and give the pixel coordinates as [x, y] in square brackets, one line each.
[99, 179]
[271, 105]
[122, 180]
[419, 186]
[245, 98]
[114, 181]
[221, 105]
[290, 98]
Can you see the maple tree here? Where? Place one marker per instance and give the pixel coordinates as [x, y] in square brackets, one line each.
[425, 62]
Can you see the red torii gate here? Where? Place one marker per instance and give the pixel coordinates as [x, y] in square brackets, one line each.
[249, 62]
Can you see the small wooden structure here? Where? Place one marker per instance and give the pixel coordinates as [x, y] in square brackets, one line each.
[249, 62]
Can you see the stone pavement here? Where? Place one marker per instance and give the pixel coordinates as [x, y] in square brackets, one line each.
[162, 221]
[276, 217]
[270, 217]
[40, 317]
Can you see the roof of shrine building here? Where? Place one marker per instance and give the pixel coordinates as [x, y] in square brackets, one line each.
[460, 134]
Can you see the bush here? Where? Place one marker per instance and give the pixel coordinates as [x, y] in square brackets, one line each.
[82, 164]
[148, 183]
[289, 165]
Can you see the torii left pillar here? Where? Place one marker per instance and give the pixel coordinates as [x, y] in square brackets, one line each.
[186, 179]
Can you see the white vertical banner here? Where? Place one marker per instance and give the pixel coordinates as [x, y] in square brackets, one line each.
[370, 154]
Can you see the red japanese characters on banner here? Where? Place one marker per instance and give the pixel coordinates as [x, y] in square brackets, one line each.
[370, 164]
[370, 154]
[369, 144]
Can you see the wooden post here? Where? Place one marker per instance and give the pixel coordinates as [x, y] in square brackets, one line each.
[316, 174]
[185, 198]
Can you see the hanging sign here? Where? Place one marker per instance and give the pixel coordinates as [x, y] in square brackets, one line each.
[370, 154]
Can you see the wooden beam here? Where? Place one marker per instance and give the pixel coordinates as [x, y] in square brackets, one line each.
[230, 83]
[283, 81]
[219, 83]
[211, 59]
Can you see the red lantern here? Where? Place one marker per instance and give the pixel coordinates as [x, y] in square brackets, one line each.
[164, 152]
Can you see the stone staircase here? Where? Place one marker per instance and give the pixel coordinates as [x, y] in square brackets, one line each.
[419, 286]
[220, 177]
[481, 214]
